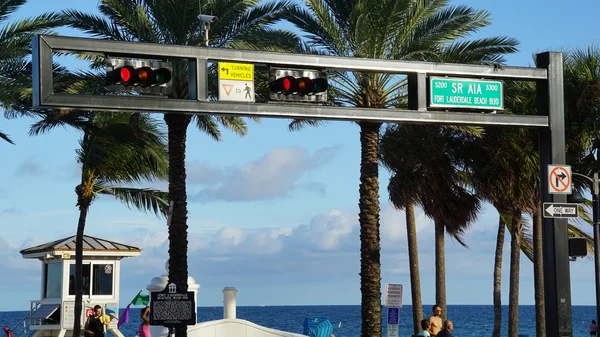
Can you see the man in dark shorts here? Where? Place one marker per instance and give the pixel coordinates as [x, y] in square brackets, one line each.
[94, 326]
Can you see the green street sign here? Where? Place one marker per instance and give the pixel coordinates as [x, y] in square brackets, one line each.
[445, 92]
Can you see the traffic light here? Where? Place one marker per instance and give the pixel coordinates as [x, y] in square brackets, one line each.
[144, 76]
[298, 85]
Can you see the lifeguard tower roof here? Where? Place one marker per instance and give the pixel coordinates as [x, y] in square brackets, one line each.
[92, 246]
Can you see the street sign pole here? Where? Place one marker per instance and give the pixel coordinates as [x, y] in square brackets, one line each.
[557, 285]
[393, 302]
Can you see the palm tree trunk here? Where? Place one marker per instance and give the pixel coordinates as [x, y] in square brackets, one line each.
[413, 258]
[498, 278]
[370, 268]
[178, 268]
[83, 210]
[538, 274]
[440, 268]
[515, 257]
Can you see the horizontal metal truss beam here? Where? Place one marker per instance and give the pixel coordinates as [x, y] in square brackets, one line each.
[138, 49]
[293, 111]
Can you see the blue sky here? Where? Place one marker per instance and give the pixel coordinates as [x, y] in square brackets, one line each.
[281, 219]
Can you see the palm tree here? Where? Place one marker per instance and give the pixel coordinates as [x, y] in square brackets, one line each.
[116, 151]
[15, 46]
[582, 100]
[241, 24]
[388, 29]
[437, 185]
[505, 166]
[582, 70]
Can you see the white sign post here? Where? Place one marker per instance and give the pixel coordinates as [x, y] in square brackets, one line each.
[393, 302]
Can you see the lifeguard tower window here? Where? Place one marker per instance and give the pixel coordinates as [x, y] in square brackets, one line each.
[53, 280]
[85, 279]
[103, 279]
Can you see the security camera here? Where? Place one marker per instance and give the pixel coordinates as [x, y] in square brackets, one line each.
[207, 18]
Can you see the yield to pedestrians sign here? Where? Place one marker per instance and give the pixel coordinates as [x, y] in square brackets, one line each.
[559, 179]
[236, 82]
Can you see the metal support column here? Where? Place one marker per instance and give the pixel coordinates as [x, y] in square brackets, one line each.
[417, 91]
[198, 80]
[557, 285]
[596, 220]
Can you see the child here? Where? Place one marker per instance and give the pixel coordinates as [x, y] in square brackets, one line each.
[593, 328]
[425, 327]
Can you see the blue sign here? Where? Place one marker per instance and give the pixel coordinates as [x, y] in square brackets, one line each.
[393, 314]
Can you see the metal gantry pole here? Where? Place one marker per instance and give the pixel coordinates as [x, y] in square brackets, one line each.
[596, 221]
[557, 281]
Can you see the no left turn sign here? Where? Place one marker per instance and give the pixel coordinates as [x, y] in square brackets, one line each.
[559, 179]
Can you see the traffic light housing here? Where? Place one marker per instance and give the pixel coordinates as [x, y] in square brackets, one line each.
[577, 247]
[298, 85]
[134, 75]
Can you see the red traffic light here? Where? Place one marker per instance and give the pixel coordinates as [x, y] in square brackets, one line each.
[126, 75]
[298, 85]
[286, 85]
[143, 76]
[301, 86]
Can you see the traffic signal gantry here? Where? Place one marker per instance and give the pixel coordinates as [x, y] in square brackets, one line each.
[299, 87]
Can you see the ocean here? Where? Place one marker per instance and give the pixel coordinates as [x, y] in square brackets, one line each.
[469, 320]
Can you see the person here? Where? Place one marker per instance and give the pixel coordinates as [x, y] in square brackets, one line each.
[94, 326]
[72, 285]
[145, 326]
[448, 327]
[435, 320]
[593, 328]
[425, 327]
[8, 332]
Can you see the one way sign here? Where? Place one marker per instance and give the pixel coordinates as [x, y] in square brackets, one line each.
[557, 210]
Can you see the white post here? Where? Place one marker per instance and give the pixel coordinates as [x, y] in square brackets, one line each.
[229, 302]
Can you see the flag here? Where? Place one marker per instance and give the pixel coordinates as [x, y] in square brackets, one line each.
[141, 299]
[124, 318]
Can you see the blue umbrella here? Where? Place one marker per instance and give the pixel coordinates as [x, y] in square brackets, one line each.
[317, 327]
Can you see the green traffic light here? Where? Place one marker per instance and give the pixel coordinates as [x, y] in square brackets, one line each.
[162, 76]
[320, 85]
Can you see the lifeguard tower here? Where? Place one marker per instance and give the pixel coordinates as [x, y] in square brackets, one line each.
[53, 314]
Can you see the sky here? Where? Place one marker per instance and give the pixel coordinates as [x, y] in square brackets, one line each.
[275, 213]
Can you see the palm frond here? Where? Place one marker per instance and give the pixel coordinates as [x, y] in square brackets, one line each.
[95, 25]
[61, 118]
[298, 124]
[6, 138]
[482, 51]
[143, 199]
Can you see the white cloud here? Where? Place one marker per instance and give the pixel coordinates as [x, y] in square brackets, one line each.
[328, 231]
[276, 174]
[202, 173]
[323, 250]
